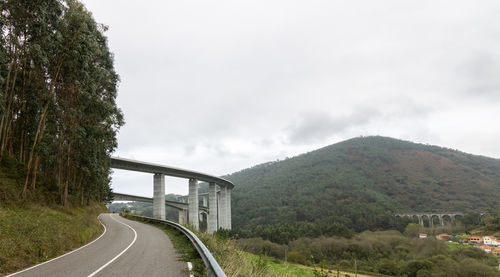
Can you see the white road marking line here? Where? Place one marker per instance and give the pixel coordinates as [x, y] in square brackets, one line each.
[117, 256]
[29, 268]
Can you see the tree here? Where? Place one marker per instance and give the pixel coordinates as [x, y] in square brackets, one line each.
[388, 267]
[473, 268]
[413, 267]
[412, 230]
[58, 113]
[471, 218]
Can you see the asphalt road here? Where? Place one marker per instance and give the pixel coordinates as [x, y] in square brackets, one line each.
[126, 248]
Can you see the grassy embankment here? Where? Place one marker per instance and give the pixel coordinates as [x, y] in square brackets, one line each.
[32, 232]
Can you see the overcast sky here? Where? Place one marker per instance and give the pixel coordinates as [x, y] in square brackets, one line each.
[219, 86]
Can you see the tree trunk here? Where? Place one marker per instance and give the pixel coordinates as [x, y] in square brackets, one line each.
[82, 191]
[39, 133]
[40, 129]
[7, 81]
[59, 180]
[7, 117]
[35, 170]
[66, 185]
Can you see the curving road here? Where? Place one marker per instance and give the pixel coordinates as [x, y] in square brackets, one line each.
[126, 248]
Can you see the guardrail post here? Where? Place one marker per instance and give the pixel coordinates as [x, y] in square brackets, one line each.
[159, 196]
[193, 204]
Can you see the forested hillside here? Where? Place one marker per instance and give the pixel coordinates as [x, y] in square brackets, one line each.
[359, 185]
[58, 116]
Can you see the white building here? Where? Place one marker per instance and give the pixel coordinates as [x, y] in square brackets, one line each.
[491, 240]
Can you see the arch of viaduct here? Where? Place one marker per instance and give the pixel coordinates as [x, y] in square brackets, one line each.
[219, 200]
[430, 216]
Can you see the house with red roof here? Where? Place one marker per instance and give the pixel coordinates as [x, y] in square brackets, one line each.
[475, 240]
[485, 248]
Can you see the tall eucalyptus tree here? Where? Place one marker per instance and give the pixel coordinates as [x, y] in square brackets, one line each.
[58, 113]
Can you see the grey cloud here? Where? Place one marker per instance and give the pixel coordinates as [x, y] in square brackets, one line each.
[479, 75]
[265, 142]
[210, 85]
[318, 126]
[220, 151]
[189, 149]
[403, 107]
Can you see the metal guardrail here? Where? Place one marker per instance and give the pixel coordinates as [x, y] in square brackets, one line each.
[213, 267]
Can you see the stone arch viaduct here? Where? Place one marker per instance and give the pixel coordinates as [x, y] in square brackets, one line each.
[430, 216]
[219, 200]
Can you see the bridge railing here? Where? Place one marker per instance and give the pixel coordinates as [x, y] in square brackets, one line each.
[214, 270]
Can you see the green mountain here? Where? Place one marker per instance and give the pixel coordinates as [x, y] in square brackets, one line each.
[359, 184]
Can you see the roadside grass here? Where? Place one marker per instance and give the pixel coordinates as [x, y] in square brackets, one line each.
[280, 268]
[233, 261]
[181, 243]
[277, 267]
[333, 272]
[31, 233]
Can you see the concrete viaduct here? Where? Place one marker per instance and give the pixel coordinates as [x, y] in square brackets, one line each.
[430, 216]
[219, 200]
[182, 207]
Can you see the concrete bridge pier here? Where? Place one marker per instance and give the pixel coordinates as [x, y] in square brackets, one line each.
[228, 208]
[159, 196]
[441, 220]
[431, 224]
[212, 208]
[225, 208]
[182, 216]
[420, 220]
[222, 207]
[193, 204]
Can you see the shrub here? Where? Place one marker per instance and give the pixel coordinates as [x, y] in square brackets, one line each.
[296, 257]
[472, 268]
[259, 246]
[388, 267]
[414, 266]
